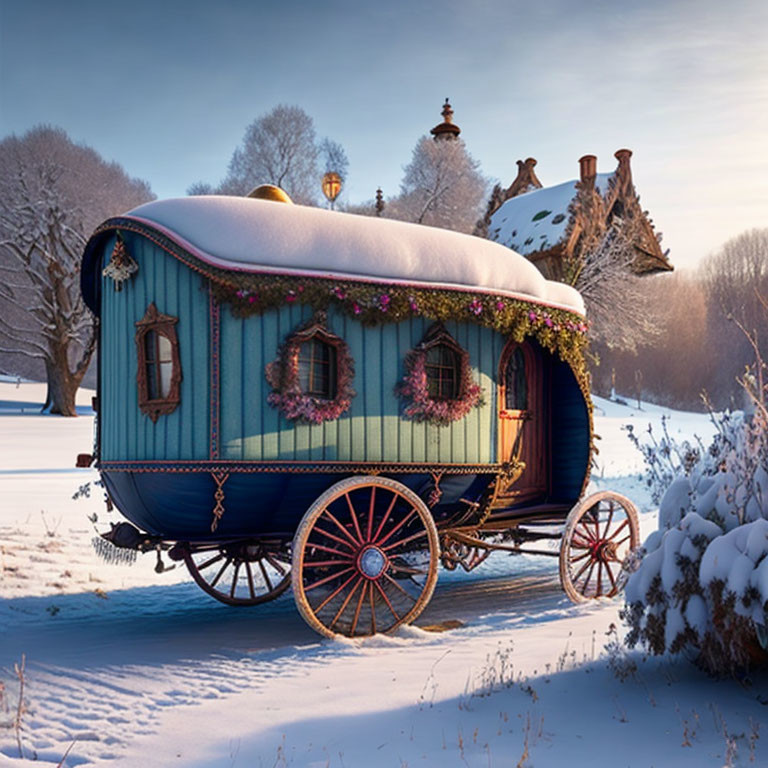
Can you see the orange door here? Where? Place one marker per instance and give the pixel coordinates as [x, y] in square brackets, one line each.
[522, 418]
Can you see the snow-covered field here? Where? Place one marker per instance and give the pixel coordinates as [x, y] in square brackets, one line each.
[127, 667]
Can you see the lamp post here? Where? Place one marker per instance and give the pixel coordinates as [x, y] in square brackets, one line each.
[331, 186]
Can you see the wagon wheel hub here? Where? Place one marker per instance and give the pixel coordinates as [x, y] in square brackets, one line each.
[372, 562]
[604, 551]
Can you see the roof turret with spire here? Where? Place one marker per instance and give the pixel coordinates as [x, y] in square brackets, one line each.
[447, 129]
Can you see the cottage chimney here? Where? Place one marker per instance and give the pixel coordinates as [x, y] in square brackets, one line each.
[588, 169]
[525, 181]
[624, 172]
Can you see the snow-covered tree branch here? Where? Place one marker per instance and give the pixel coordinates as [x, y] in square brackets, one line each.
[53, 193]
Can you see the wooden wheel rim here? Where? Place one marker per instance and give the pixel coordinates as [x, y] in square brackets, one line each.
[600, 532]
[238, 573]
[365, 558]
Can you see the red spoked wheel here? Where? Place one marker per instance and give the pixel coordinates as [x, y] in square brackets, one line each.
[238, 572]
[364, 558]
[600, 532]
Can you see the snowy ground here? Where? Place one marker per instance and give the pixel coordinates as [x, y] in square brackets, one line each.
[132, 668]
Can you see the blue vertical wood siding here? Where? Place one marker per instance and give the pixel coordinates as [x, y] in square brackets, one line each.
[127, 433]
[372, 430]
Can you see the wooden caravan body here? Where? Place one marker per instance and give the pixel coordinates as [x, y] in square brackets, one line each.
[253, 354]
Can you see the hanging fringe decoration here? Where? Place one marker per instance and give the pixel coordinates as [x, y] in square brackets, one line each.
[111, 554]
[121, 266]
[219, 478]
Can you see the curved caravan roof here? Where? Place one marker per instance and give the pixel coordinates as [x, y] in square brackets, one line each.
[248, 235]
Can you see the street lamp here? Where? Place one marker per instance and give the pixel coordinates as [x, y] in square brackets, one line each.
[331, 186]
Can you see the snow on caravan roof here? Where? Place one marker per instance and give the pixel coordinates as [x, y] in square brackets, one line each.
[252, 235]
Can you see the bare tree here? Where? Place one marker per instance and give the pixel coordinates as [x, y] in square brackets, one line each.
[53, 193]
[735, 277]
[278, 148]
[619, 306]
[334, 158]
[442, 187]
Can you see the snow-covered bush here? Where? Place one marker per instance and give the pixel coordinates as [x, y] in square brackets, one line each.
[702, 584]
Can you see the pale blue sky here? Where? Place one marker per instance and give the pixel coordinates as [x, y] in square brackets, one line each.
[167, 88]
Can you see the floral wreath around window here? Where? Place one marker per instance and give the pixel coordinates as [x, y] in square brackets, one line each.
[421, 405]
[283, 374]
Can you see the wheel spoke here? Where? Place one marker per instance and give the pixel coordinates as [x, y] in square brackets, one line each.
[335, 538]
[282, 570]
[343, 555]
[234, 579]
[335, 592]
[346, 600]
[327, 579]
[386, 517]
[381, 543]
[354, 518]
[599, 578]
[386, 600]
[611, 577]
[585, 531]
[250, 579]
[397, 586]
[588, 576]
[583, 568]
[357, 611]
[405, 541]
[221, 572]
[580, 557]
[342, 528]
[264, 574]
[618, 530]
[626, 538]
[324, 563]
[409, 569]
[373, 610]
[370, 512]
[210, 562]
[610, 518]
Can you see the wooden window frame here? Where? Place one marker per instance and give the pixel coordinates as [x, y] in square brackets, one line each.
[163, 325]
[283, 375]
[413, 389]
[436, 337]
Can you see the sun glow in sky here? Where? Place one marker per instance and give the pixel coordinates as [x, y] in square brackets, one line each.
[167, 89]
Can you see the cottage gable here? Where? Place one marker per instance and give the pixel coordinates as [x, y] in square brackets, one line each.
[553, 226]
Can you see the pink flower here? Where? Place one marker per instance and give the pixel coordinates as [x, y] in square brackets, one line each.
[340, 293]
[413, 305]
[240, 294]
[356, 308]
[499, 306]
[476, 307]
[251, 299]
[290, 297]
[548, 322]
[384, 302]
[532, 316]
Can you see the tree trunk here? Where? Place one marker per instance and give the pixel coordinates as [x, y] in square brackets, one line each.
[62, 382]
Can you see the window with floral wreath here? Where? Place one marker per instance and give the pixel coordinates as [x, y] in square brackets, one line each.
[438, 387]
[311, 378]
[159, 366]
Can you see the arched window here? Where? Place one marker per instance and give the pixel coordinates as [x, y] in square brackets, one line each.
[438, 385]
[515, 389]
[312, 376]
[442, 366]
[317, 368]
[159, 368]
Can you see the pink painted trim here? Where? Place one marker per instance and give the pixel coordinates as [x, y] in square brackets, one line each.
[230, 266]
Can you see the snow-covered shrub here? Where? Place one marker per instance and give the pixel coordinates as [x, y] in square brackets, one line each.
[702, 584]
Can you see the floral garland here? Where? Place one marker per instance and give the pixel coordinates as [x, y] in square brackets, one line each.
[283, 376]
[415, 388]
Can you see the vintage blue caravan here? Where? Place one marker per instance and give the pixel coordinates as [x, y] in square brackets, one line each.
[295, 396]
